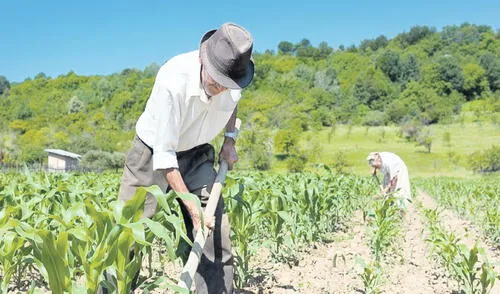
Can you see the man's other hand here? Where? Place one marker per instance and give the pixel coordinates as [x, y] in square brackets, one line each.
[228, 152]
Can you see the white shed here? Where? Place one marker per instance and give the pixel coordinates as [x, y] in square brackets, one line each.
[60, 160]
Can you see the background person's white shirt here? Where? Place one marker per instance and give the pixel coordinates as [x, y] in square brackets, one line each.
[393, 165]
[178, 115]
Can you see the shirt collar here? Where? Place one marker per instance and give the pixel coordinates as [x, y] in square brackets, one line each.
[194, 88]
[194, 83]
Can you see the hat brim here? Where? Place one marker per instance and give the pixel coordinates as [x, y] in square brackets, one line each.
[219, 77]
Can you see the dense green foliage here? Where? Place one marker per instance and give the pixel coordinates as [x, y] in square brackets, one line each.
[485, 161]
[422, 75]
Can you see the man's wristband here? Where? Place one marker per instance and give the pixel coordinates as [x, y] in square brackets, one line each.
[231, 135]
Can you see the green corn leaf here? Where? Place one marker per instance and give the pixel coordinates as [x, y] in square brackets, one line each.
[137, 230]
[162, 233]
[55, 261]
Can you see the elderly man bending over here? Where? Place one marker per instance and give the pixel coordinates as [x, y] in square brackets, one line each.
[395, 173]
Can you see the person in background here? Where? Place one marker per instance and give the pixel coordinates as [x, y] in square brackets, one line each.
[395, 174]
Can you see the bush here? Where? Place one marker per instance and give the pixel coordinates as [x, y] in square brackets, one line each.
[340, 163]
[374, 118]
[256, 145]
[296, 162]
[98, 160]
[485, 161]
[260, 159]
[410, 131]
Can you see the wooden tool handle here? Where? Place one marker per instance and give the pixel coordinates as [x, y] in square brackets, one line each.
[187, 275]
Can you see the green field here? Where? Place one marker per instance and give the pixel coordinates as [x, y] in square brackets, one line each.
[443, 160]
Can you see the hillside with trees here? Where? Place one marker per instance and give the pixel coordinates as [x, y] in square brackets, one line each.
[420, 77]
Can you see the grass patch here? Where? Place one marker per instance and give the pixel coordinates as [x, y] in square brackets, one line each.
[451, 145]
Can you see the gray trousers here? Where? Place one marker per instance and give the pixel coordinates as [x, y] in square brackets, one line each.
[215, 272]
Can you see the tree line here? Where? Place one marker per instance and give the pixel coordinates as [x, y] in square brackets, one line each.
[423, 76]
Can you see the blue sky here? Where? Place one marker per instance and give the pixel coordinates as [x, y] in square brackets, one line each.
[102, 37]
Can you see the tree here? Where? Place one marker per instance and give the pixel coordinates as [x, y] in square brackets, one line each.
[390, 64]
[491, 65]
[379, 43]
[151, 70]
[410, 70]
[285, 141]
[463, 34]
[425, 139]
[415, 34]
[327, 80]
[305, 49]
[475, 81]
[323, 50]
[425, 104]
[372, 89]
[285, 48]
[451, 73]
[447, 138]
[260, 159]
[40, 75]
[4, 85]
[375, 118]
[75, 105]
[396, 111]
[410, 130]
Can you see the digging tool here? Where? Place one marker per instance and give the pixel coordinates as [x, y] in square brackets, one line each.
[187, 275]
[378, 181]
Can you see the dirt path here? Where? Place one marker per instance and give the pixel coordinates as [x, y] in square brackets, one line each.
[415, 272]
[464, 229]
[468, 234]
[412, 272]
[316, 272]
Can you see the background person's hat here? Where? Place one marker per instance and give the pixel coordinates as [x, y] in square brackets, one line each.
[226, 55]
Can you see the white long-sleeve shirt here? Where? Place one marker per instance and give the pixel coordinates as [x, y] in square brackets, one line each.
[393, 165]
[179, 115]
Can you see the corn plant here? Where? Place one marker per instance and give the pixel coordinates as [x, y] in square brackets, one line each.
[78, 217]
[244, 219]
[463, 264]
[10, 247]
[386, 225]
[371, 276]
[64, 230]
[471, 199]
[475, 279]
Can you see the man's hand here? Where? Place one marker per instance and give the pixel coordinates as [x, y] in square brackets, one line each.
[195, 216]
[394, 182]
[228, 152]
[174, 179]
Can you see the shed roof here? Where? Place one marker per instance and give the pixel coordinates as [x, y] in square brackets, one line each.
[63, 153]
